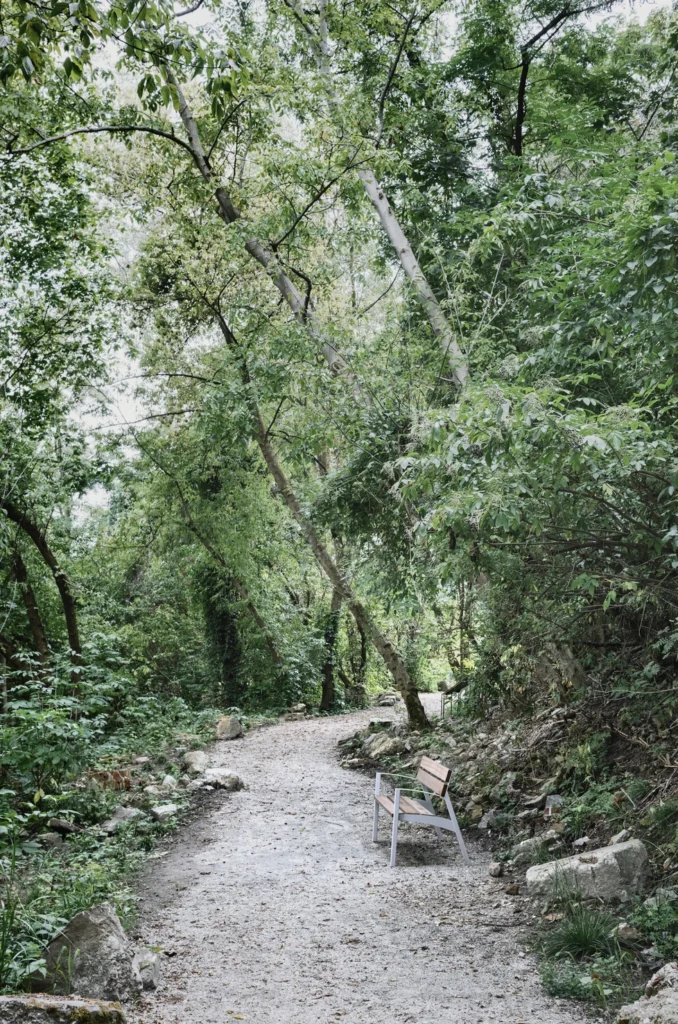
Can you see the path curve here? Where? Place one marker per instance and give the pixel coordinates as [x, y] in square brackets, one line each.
[278, 908]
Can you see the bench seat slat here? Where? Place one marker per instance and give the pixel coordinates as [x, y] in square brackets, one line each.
[407, 805]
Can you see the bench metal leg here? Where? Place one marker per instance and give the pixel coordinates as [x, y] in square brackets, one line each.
[429, 804]
[394, 833]
[456, 829]
[375, 823]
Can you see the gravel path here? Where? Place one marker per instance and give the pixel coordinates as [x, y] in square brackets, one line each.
[277, 908]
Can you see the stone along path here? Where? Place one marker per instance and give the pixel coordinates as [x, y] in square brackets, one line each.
[277, 908]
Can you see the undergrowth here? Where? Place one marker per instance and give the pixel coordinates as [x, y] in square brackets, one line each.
[42, 889]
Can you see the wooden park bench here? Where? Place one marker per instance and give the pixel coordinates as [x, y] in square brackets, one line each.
[433, 778]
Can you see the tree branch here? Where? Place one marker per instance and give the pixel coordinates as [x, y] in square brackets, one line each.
[112, 129]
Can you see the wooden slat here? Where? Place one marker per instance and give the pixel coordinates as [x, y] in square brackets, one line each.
[386, 803]
[435, 768]
[412, 806]
[430, 781]
[407, 806]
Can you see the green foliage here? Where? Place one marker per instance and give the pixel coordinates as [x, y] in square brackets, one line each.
[582, 960]
[657, 920]
[497, 532]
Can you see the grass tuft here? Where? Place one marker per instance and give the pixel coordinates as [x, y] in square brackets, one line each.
[583, 932]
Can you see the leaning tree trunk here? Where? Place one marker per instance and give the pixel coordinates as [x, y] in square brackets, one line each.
[32, 611]
[304, 315]
[391, 658]
[331, 631]
[33, 531]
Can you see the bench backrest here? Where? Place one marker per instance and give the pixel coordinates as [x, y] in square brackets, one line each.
[434, 775]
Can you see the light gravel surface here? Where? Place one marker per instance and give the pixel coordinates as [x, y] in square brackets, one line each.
[277, 908]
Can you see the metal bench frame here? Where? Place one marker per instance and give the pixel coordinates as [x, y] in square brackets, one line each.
[432, 778]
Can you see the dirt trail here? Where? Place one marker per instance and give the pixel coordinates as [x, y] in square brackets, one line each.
[278, 908]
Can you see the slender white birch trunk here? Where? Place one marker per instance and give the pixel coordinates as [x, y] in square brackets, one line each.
[439, 323]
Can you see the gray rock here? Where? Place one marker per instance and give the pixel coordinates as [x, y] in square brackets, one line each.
[121, 816]
[535, 802]
[169, 783]
[581, 843]
[620, 837]
[610, 873]
[63, 827]
[626, 934]
[153, 790]
[298, 709]
[504, 788]
[228, 728]
[147, 963]
[196, 761]
[496, 869]
[36, 1009]
[51, 840]
[554, 803]
[163, 812]
[660, 1003]
[667, 977]
[525, 853]
[91, 957]
[492, 819]
[293, 716]
[223, 780]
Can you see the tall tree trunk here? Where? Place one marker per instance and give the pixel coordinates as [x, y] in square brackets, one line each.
[389, 222]
[391, 658]
[303, 313]
[31, 605]
[32, 530]
[331, 631]
[3, 681]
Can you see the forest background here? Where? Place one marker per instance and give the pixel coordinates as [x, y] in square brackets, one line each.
[336, 354]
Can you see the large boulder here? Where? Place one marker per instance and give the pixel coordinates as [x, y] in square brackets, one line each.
[91, 957]
[380, 744]
[196, 761]
[228, 728]
[659, 1005]
[610, 873]
[54, 1010]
